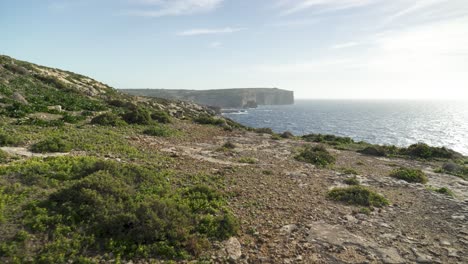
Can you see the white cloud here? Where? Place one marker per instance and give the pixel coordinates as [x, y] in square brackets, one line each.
[344, 45]
[209, 31]
[294, 6]
[174, 7]
[215, 44]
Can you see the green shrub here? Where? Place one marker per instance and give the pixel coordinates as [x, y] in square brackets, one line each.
[329, 139]
[40, 122]
[158, 131]
[424, 151]
[17, 110]
[161, 117]
[16, 69]
[247, 160]
[357, 195]
[454, 169]
[228, 145]
[351, 181]
[208, 120]
[107, 119]
[109, 208]
[3, 156]
[378, 151]
[409, 175]
[264, 130]
[137, 116]
[72, 119]
[9, 140]
[287, 134]
[445, 190]
[51, 80]
[316, 155]
[51, 145]
[349, 171]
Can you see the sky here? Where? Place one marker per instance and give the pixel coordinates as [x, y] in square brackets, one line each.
[328, 49]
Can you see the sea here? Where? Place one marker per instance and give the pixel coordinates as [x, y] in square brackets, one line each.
[385, 122]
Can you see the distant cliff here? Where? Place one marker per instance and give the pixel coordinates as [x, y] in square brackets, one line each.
[224, 98]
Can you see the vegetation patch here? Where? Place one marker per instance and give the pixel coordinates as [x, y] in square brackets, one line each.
[317, 155]
[51, 145]
[351, 181]
[138, 116]
[209, 120]
[287, 134]
[158, 131]
[442, 190]
[248, 160]
[357, 195]
[349, 171]
[161, 117]
[409, 175]
[378, 151]
[9, 140]
[3, 156]
[328, 139]
[264, 130]
[108, 119]
[85, 206]
[424, 151]
[455, 169]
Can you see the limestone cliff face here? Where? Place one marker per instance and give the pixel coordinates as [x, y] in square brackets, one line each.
[224, 98]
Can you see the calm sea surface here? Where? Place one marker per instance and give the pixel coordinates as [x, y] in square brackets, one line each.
[398, 123]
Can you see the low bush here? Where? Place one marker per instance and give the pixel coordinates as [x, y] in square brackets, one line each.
[108, 208]
[351, 181]
[357, 195]
[287, 134]
[454, 169]
[209, 120]
[9, 140]
[329, 139]
[40, 122]
[409, 175]
[16, 69]
[161, 117]
[72, 119]
[51, 145]
[158, 131]
[138, 116]
[445, 190]
[247, 160]
[317, 155]
[264, 130]
[3, 156]
[349, 171]
[228, 145]
[107, 119]
[378, 151]
[424, 151]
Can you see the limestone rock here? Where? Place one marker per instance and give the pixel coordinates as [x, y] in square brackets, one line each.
[233, 248]
[19, 98]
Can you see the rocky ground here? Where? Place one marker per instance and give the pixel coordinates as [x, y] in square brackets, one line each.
[286, 218]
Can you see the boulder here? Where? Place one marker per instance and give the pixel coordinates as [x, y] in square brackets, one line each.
[19, 98]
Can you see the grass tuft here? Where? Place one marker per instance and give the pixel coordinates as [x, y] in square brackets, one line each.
[357, 195]
[409, 175]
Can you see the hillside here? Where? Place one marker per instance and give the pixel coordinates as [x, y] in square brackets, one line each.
[223, 98]
[91, 175]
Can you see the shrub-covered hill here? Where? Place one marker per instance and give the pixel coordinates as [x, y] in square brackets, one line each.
[105, 197]
[27, 88]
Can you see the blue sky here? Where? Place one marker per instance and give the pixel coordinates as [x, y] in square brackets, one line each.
[414, 49]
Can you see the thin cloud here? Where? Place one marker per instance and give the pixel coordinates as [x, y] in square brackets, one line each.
[173, 7]
[215, 44]
[294, 6]
[209, 31]
[344, 45]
